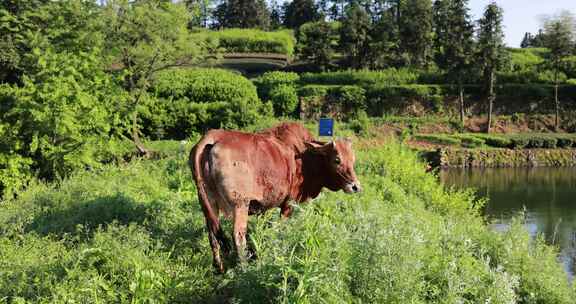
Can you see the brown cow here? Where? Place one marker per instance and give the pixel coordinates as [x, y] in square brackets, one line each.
[242, 173]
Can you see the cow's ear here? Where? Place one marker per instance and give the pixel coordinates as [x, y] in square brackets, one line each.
[319, 147]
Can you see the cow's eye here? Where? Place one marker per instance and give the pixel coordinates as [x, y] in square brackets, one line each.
[337, 160]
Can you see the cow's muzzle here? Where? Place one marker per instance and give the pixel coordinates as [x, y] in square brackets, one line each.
[353, 187]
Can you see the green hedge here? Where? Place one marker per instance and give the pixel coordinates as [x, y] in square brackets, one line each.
[390, 76]
[441, 139]
[250, 40]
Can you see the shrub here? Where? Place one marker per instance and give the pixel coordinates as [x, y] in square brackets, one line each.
[549, 142]
[566, 141]
[519, 142]
[360, 124]
[495, 140]
[194, 100]
[314, 90]
[470, 141]
[284, 100]
[270, 80]
[351, 98]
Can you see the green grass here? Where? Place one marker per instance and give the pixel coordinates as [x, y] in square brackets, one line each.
[135, 233]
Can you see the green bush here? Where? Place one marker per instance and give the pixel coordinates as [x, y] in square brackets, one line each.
[566, 140]
[194, 100]
[549, 142]
[495, 140]
[314, 90]
[284, 100]
[270, 80]
[351, 98]
[470, 141]
[520, 142]
[250, 40]
[360, 124]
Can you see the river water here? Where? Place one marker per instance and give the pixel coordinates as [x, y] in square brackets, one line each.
[548, 196]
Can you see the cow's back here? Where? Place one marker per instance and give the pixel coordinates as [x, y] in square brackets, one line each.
[292, 135]
[248, 168]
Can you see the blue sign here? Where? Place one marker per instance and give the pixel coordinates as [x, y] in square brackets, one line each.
[326, 127]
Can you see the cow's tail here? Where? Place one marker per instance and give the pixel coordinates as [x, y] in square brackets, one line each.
[202, 147]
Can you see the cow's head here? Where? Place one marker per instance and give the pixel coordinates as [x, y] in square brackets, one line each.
[338, 159]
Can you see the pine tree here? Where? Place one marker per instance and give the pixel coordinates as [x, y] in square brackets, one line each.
[559, 38]
[299, 12]
[526, 41]
[454, 43]
[491, 53]
[416, 31]
[275, 15]
[243, 14]
[354, 36]
[316, 41]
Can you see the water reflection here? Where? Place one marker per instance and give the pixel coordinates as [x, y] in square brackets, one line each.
[548, 194]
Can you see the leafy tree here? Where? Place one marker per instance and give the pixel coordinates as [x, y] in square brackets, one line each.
[385, 43]
[416, 31]
[200, 12]
[491, 53]
[243, 14]
[454, 43]
[59, 120]
[559, 38]
[355, 36]
[299, 12]
[64, 26]
[316, 43]
[146, 37]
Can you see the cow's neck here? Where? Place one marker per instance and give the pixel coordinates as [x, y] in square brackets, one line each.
[312, 176]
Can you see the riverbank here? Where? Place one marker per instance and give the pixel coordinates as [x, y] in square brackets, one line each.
[500, 158]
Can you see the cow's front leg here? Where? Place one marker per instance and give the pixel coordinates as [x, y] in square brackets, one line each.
[240, 225]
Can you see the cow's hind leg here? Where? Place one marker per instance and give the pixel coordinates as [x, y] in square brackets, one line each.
[214, 230]
[215, 234]
[240, 227]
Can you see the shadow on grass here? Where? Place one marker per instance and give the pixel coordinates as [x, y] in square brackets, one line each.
[82, 218]
[92, 214]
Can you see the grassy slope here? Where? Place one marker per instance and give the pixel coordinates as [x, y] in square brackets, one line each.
[135, 233]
